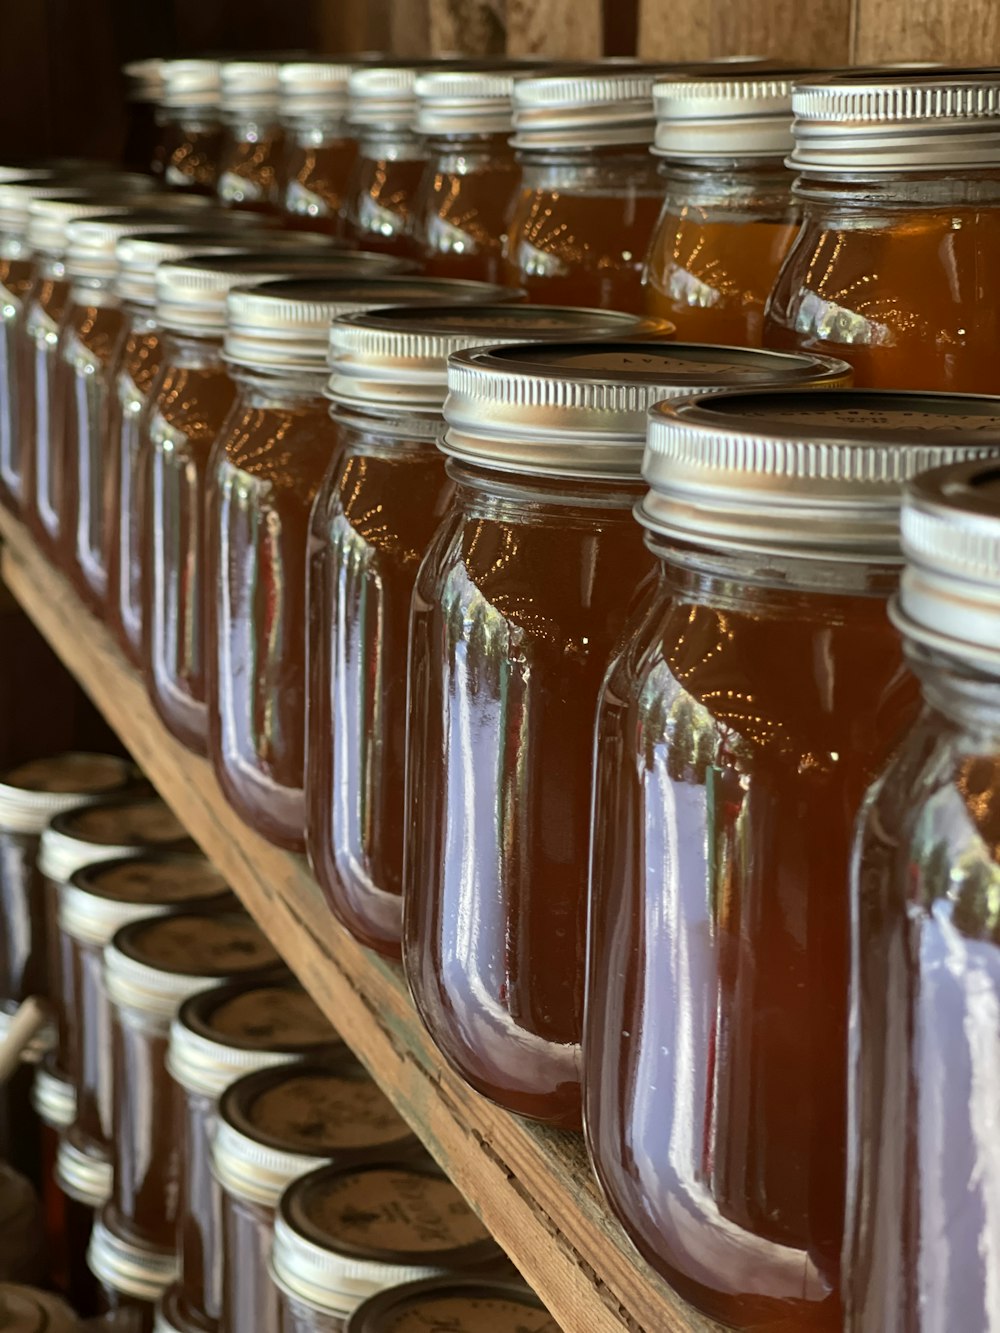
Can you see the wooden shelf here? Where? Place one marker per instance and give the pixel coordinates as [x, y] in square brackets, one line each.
[531, 1186]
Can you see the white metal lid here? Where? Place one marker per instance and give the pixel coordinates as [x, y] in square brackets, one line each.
[569, 410]
[460, 1304]
[205, 1061]
[254, 1171]
[465, 101]
[155, 963]
[724, 116]
[83, 1176]
[91, 242]
[53, 1098]
[106, 830]
[949, 597]
[144, 81]
[191, 83]
[249, 85]
[314, 87]
[33, 793]
[383, 96]
[12, 175]
[869, 123]
[592, 108]
[16, 198]
[397, 359]
[816, 475]
[125, 1267]
[286, 325]
[88, 914]
[49, 216]
[28, 1310]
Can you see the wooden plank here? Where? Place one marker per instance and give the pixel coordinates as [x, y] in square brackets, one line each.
[532, 1187]
[470, 27]
[964, 34]
[817, 32]
[556, 28]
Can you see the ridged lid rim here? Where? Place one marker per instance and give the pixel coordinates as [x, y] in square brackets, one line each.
[85, 1178]
[719, 117]
[128, 1268]
[27, 811]
[584, 110]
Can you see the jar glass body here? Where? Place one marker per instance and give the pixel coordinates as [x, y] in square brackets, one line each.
[382, 191]
[17, 276]
[516, 609]
[722, 234]
[194, 138]
[89, 343]
[134, 376]
[23, 951]
[924, 1046]
[320, 153]
[298, 1317]
[63, 987]
[199, 1209]
[91, 1029]
[191, 401]
[738, 729]
[146, 1149]
[250, 1298]
[581, 227]
[373, 520]
[266, 469]
[463, 207]
[67, 1234]
[39, 406]
[251, 161]
[122, 1313]
[900, 277]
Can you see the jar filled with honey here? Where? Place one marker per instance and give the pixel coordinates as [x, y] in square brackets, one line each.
[589, 194]
[192, 125]
[896, 267]
[925, 963]
[379, 199]
[320, 148]
[250, 164]
[469, 185]
[728, 218]
[740, 723]
[380, 504]
[264, 473]
[145, 147]
[523, 594]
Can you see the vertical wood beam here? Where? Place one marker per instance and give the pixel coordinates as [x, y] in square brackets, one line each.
[801, 31]
[557, 28]
[471, 27]
[962, 32]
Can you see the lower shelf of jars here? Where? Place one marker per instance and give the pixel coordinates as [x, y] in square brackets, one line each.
[531, 1186]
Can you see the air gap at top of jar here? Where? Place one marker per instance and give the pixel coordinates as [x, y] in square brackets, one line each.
[925, 957]
[517, 607]
[897, 264]
[372, 522]
[728, 217]
[739, 725]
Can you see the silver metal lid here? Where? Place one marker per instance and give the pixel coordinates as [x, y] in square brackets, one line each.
[141, 255]
[724, 117]
[249, 85]
[191, 293]
[105, 830]
[89, 914]
[27, 1310]
[949, 597]
[397, 359]
[460, 1304]
[816, 475]
[575, 411]
[592, 108]
[126, 1267]
[91, 242]
[34, 793]
[144, 81]
[254, 1171]
[870, 123]
[16, 198]
[83, 1176]
[314, 87]
[465, 101]
[50, 216]
[192, 83]
[11, 175]
[53, 1098]
[286, 325]
[383, 97]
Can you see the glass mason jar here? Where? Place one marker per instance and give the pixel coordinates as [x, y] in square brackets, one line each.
[897, 262]
[589, 195]
[192, 126]
[380, 503]
[218, 1036]
[250, 164]
[150, 968]
[131, 1278]
[517, 605]
[145, 142]
[739, 726]
[925, 974]
[261, 1147]
[320, 149]
[379, 199]
[469, 185]
[343, 1233]
[461, 1305]
[265, 471]
[728, 218]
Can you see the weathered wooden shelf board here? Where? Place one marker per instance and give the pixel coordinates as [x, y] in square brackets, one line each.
[532, 1187]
